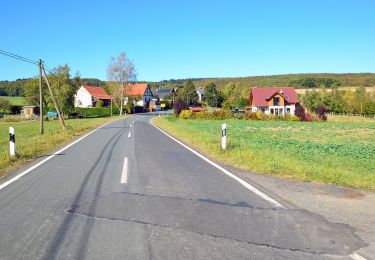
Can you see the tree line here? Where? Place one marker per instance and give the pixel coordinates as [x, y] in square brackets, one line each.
[341, 101]
[313, 82]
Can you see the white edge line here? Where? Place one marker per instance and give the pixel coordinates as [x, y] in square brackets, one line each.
[129, 134]
[356, 256]
[124, 175]
[244, 183]
[3, 185]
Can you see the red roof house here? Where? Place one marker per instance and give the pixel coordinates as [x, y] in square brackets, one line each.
[87, 96]
[140, 91]
[276, 101]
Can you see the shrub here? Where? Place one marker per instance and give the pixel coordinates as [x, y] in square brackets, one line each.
[292, 118]
[300, 111]
[178, 106]
[259, 115]
[307, 117]
[186, 114]
[250, 115]
[95, 111]
[321, 112]
[129, 107]
[99, 103]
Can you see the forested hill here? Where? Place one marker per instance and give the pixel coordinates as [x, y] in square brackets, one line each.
[311, 80]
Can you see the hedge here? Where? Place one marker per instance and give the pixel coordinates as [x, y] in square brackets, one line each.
[95, 111]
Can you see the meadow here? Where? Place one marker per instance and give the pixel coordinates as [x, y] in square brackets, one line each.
[338, 152]
[16, 101]
[31, 145]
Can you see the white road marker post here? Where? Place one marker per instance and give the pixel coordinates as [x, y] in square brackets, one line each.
[12, 142]
[224, 136]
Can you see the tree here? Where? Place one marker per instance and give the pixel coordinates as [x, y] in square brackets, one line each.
[63, 87]
[361, 98]
[188, 93]
[312, 99]
[299, 111]
[121, 71]
[213, 97]
[5, 106]
[31, 92]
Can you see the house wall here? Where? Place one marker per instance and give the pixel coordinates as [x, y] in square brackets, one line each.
[282, 110]
[281, 98]
[83, 98]
[147, 96]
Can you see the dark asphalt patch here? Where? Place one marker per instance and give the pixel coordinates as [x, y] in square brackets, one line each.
[287, 229]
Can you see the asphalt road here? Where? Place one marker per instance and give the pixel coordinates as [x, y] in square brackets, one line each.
[128, 191]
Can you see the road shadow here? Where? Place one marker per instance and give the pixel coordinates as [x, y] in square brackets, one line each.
[64, 227]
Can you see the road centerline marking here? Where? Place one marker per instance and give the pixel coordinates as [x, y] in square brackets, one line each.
[225, 171]
[124, 175]
[129, 134]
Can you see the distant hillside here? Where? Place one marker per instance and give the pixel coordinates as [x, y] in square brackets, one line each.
[346, 80]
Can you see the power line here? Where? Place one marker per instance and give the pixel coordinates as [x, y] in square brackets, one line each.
[15, 56]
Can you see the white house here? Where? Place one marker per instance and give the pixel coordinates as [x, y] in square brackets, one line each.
[200, 92]
[276, 101]
[87, 96]
[141, 92]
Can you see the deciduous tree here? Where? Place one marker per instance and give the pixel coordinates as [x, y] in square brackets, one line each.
[121, 71]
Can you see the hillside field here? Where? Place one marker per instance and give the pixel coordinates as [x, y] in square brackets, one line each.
[348, 80]
[16, 101]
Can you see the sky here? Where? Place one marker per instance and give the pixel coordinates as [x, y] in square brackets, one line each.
[172, 39]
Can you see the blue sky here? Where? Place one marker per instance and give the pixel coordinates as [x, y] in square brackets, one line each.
[190, 39]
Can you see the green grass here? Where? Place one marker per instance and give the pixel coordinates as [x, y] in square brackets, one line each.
[30, 145]
[17, 101]
[341, 153]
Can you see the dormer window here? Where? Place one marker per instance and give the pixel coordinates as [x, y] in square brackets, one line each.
[276, 101]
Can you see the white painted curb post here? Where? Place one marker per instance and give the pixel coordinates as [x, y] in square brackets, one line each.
[224, 136]
[12, 142]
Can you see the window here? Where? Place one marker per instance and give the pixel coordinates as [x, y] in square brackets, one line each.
[272, 111]
[288, 110]
[276, 101]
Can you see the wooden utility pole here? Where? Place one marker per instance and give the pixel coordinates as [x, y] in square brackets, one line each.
[54, 100]
[41, 98]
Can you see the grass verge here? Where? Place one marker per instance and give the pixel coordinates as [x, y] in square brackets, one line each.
[341, 153]
[31, 145]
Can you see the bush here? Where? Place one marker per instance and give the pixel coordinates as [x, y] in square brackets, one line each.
[300, 111]
[292, 118]
[321, 112]
[178, 106]
[259, 115]
[129, 107]
[186, 114]
[99, 103]
[95, 111]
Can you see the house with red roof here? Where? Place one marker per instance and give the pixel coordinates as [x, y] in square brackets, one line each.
[141, 92]
[87, 96]
[275, 101]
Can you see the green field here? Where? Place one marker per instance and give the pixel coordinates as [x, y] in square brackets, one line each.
[17, 101]
[342, 153]
[31, 145]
